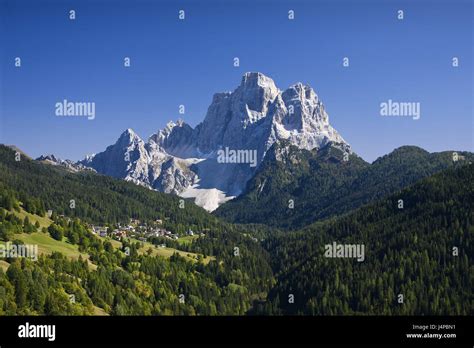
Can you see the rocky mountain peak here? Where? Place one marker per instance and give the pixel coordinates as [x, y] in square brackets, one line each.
[255, 92]
[301, 92]
[254, 79]
[183, 160]
[70, 165]
[129, 138]
[50, 157]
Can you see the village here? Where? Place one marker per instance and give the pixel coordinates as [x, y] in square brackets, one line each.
[138, 230]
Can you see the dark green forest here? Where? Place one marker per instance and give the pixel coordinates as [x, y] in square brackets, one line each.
[409, 251]
[322, 183]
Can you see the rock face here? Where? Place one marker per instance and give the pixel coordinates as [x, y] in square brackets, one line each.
[213, 162]
[127, 159]
[69, 165]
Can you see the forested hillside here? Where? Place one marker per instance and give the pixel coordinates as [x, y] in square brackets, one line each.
[122, 281]
[118, 280]
[423, 251]
[301, 187]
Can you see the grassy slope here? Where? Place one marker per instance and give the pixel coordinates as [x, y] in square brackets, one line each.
[43, 221]
[164, 252]
[186, 239]
[48, 245]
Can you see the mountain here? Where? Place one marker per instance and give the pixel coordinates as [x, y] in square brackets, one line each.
[213, 162]
[423, 251]
[325, 182]
[70, 165]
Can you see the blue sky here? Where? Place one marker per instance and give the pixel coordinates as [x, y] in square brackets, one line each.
[185, 62]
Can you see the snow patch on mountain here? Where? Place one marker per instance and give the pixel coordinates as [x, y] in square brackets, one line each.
[209, 199]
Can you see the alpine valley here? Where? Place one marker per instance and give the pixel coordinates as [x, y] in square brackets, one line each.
[232, 217]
